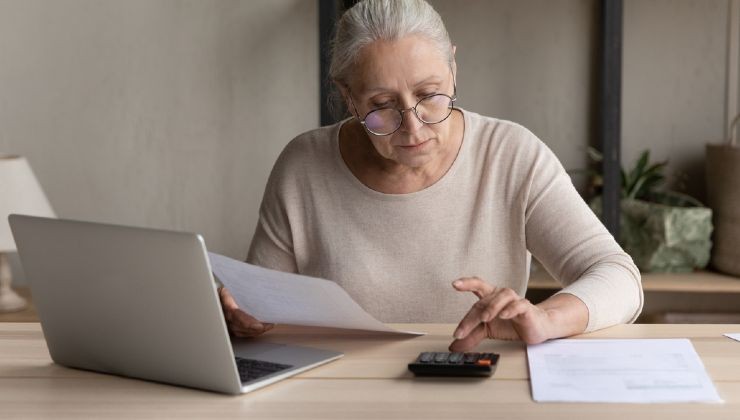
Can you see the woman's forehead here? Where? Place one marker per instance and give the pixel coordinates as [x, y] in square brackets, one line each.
[390, 65]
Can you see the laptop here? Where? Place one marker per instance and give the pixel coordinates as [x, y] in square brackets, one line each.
[142, 303]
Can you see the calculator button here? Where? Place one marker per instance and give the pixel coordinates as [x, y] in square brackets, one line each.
[455, 358]
[426, 357]
[483, 362]
[471, 358]
[441, 357]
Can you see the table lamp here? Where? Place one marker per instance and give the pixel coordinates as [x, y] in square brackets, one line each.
[20, 193]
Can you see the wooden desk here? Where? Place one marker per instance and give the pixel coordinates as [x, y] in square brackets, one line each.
[371, 381]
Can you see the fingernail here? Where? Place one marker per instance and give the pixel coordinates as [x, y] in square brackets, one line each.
[458, 334]
[457, 283]
[504, 314]
[257, 326]
[486, 316]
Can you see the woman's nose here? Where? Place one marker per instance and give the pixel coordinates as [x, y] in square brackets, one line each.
[410, 122]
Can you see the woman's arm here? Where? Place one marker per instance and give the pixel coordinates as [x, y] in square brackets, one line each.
[564, 234]
[602, 285]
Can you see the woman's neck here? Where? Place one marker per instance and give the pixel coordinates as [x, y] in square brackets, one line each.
[388, 176]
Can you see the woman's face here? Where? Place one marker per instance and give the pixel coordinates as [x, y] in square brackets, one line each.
[398, 74]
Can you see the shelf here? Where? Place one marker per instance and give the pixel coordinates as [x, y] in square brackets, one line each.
[696, 282]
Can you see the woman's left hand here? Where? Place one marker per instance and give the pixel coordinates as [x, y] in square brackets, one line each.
[500, 313]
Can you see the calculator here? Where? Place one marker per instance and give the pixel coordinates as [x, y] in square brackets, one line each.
[454, 364]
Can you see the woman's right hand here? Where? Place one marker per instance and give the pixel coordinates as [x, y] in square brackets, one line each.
[239, 323]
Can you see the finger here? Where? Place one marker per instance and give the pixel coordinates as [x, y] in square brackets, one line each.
[227, 301]
[471, 340]
[498, 301]
[473, 284]
[250, 330]
[514, 309]
[244, 333]
[485, 310]
[240, 323]
[245, 320]
[472, 319]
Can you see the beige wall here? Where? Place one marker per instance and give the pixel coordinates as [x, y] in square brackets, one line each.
[170, 113]
[529, 61]
[675, 56]
[157, 113]
[533, 61]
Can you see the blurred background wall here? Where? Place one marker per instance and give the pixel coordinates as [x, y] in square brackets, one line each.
[159, 113]
[170, 114]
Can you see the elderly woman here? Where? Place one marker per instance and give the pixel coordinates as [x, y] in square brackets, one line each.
[414, 205]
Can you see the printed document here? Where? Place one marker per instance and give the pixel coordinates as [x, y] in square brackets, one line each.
[619, 371]
[284, 298]
[734, 336]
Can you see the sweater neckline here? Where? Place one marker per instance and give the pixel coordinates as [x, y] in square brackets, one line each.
[364, 189]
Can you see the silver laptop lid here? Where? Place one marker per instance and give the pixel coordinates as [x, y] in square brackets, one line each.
[127, 301]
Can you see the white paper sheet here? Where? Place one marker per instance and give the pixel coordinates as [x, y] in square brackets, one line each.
[284, 298]
[734, 336]
[624, 371]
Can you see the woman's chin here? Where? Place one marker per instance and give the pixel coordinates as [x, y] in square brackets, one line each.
[414, 158]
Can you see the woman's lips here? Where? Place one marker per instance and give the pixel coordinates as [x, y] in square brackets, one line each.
[415, 146]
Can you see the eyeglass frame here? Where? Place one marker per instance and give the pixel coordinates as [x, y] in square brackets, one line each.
[402, 111]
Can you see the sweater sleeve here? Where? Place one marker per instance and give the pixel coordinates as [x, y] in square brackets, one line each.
[272, 245]
[574, 246]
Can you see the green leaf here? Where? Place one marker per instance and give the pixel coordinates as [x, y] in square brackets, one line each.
[594, 154]
[648, 180]
[649, 185]
[655, 168]
[636, 172]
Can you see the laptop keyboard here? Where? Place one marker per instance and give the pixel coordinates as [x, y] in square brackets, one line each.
[251, 369]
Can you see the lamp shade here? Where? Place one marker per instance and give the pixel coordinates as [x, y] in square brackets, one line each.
[20, 193]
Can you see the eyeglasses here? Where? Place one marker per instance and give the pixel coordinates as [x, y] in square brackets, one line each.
[432, 109]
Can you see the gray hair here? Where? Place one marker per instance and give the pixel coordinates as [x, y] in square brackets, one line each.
[388, 20]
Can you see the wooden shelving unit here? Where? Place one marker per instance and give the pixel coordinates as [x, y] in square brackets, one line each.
[685, 298]
[696, 282]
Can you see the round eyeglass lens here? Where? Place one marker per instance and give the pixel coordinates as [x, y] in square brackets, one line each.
[434, 109]
[383, 121]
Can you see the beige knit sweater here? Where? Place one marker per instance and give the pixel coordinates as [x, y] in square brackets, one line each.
[505, 196]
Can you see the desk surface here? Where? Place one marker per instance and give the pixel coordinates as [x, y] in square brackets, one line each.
[371, 381]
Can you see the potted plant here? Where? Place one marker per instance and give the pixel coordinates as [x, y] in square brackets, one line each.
[662, 230]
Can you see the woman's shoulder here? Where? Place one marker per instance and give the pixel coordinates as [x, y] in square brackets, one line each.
[504, 139]
[492, 129]
[317, 141]
[309, 151]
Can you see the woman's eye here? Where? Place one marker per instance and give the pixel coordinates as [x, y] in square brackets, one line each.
[381, 104]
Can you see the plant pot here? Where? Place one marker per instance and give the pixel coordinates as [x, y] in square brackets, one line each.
[665, 237]
[723, 190]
